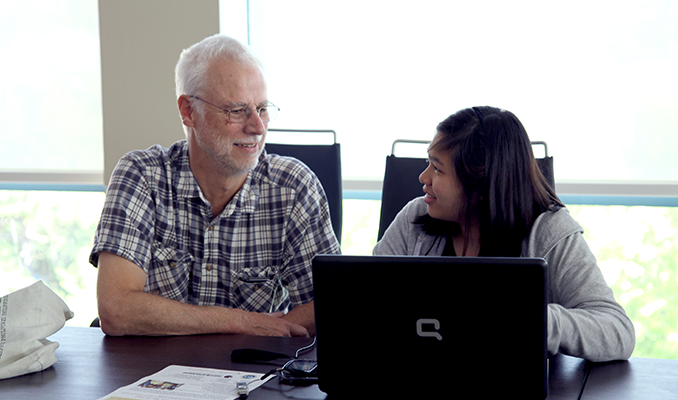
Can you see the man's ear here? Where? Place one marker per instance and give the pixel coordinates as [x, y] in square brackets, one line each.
[186, 110]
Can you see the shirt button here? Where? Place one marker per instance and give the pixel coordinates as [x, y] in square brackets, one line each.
[208, 267]
[173, 264]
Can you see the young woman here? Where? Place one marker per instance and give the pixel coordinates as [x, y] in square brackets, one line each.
[485, 196]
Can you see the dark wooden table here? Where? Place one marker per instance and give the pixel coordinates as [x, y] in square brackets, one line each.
[91, 365]
[636, 379]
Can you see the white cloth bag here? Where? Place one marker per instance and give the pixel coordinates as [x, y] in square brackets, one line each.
[27, 317]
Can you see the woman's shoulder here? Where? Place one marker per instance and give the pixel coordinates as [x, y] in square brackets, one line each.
[410, 213]
[415, 208]
[557, 219]
[550, 228]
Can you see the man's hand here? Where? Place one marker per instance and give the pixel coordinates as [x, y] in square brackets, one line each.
[303, 315]
[271, 325]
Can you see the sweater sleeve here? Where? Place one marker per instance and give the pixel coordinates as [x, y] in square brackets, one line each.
[584, 319]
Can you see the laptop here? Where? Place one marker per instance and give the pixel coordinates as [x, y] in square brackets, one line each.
[398, 326]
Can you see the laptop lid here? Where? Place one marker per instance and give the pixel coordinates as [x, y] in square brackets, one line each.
[407, 325]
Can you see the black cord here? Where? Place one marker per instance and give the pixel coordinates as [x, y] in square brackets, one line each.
[296, 356]
[269, 373]
[305, 348]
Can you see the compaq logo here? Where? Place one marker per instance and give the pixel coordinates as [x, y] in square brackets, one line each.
[436, 325]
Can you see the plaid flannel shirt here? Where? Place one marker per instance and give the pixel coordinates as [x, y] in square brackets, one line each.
[256, 255]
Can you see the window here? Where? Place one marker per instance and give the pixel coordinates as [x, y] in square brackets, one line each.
[596, 81]
[48, 236]
[50, 94]
[50, 97]
[637, 250]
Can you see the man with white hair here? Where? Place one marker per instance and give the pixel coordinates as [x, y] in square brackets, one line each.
[212, 235]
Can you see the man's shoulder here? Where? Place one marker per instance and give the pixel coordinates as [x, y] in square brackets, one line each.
[157, 166]
[157, 155]
[285, 171]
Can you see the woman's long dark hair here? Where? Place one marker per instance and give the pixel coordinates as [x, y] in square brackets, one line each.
[504, 189]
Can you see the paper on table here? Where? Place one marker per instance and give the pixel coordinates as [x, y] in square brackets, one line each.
[188, 383]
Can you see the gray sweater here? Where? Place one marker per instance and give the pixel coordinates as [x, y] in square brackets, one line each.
[584, 319]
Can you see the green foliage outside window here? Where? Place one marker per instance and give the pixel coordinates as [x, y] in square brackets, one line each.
[48, 236]
[637, 250]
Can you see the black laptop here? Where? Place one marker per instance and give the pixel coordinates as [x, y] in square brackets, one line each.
[400, 326]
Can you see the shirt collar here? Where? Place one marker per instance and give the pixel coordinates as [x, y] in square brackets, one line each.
[248, 195]
[245, 199]
[187, 185]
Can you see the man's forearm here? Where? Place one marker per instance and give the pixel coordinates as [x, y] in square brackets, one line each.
[147, 314]
[139, 313]
[125, 309]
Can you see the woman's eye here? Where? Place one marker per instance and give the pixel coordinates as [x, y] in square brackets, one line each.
[432, 165]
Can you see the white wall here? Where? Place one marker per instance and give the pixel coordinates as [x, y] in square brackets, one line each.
[140, 44]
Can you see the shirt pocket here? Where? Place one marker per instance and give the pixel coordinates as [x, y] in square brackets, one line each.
[170, 272]
[261, 289]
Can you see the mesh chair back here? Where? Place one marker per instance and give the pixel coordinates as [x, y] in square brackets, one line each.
[325, 161]
[401, 184]
[546, 165]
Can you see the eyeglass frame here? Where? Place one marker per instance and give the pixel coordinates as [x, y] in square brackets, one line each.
[248, 112]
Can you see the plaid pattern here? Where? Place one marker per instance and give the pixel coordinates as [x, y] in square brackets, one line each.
[255, 256]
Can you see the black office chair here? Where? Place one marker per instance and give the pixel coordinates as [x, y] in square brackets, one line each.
[401, 184]
[325, 161]
[401, 181]
[546, 165]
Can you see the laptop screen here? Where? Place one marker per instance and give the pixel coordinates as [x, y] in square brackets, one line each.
[431, 325]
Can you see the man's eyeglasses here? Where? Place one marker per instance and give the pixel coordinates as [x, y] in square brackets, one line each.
[238, 115]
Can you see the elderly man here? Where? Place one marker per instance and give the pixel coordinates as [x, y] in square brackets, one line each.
[212, 234]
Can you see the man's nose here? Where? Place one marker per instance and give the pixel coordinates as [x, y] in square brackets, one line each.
[255, 125]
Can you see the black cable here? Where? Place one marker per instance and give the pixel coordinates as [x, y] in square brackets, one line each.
[305, 348]
[296, 357]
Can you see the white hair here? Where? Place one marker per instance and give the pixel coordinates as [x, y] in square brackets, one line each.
[191, 70]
